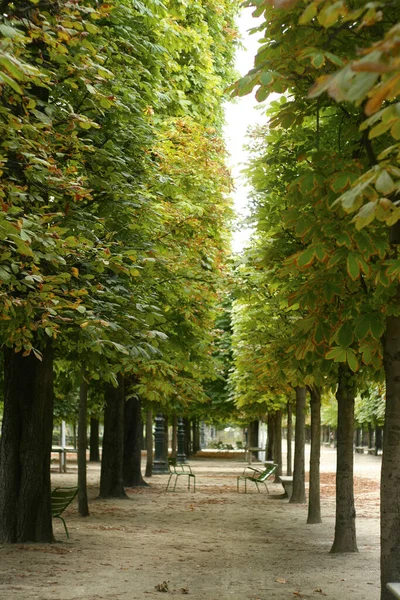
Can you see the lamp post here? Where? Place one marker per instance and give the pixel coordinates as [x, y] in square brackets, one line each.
[160, 463]
[181, 456]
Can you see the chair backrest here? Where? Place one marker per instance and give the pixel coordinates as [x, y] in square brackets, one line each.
[268, 471]
[61, 497]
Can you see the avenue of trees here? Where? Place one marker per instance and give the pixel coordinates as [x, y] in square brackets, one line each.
[113, 229]
[318, 300]
[117, 294]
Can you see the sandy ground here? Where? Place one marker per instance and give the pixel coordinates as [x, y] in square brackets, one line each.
[214, 544]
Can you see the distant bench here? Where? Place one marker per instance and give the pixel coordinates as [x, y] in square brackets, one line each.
[248, 453]
[62, 456]
[287, 482]
[362, 449]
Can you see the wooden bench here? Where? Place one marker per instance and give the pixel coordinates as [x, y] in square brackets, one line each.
[287, 482]
[61, 497]
[359, 449]
[394, 588]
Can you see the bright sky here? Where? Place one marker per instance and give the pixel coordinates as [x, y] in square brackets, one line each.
[238, 117]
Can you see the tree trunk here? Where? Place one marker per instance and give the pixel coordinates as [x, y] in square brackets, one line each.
[253, 437]
[390, 478]
[111, 479]
[278, 444]
[83, 506]
[25, 446]
[94, 441]
[314, 496]
[174, 442]
[196, 436]
[299, 491]
[133, 432]
[345, 524]
[270, 436]
[188, 441]
[149, 444]
[289, 439]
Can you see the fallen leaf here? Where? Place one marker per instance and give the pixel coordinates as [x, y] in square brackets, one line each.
[280, 580]
[162, 587]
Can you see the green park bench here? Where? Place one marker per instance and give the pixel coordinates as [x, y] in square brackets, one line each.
[61, 497]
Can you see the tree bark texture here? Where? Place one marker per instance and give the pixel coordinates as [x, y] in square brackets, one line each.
[25, 446]
[133, 432]
[196, 436]
[188, 437]
[289, 439]
[278, 444]
[390, 477]
[299, 490]
[345, 523]
[270, 436]
[253, 437]
[149, 444]
[111, 479]
[83, 506]
[314, 496]
[94, 443]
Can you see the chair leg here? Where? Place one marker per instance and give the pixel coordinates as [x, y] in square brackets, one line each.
[169, 481]
[176, 481]
[65, 525]
[258, 489]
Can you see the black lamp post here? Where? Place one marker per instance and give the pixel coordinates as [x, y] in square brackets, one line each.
[181, 456]
[160, 463]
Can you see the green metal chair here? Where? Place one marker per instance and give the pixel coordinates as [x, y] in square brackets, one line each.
[61, 497]
[256, 476]
[177, 470]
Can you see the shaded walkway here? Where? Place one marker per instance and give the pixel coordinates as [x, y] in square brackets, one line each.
[211, 545]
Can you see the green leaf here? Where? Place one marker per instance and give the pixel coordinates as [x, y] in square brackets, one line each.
[266, 78]
[337, 354]
[352, 360]
[306, 258]
[362, 327]
[353, 267]
[377, 327]
[4, 78]
[345, 335]
[308, 14]
[384, 184]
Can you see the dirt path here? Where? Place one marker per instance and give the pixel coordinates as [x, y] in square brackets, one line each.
[212, 545]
